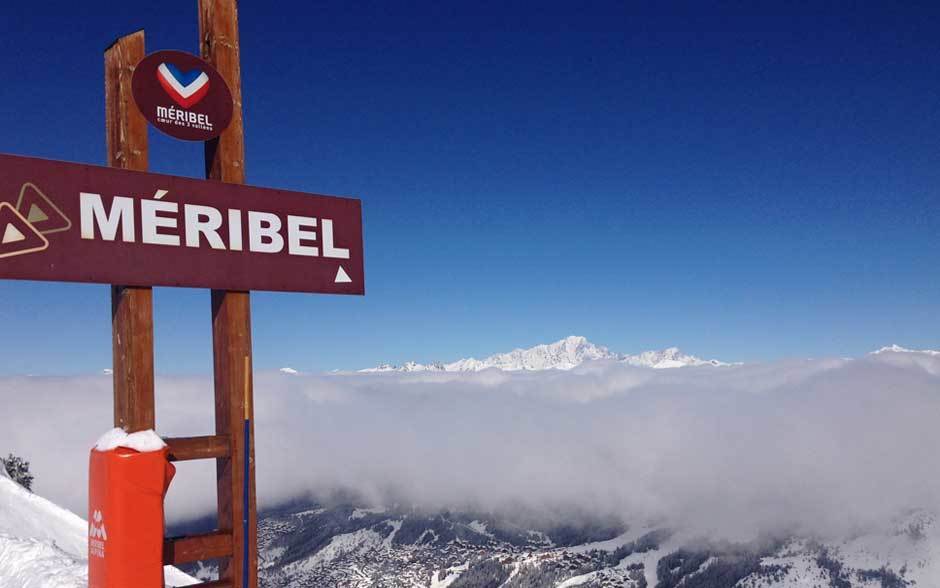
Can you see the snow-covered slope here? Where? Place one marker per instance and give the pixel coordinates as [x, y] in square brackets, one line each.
[352, 547]
[45, 546]
[565, 354]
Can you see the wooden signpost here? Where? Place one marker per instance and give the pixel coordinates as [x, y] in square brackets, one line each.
[124, 226]
[198, 236]
[131, 307]
[231, 320]
[132, 328]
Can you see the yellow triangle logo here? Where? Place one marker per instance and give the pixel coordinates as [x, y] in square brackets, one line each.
[36, 215]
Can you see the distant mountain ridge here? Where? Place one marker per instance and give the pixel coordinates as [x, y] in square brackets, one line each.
[565, 354]
[898, 349]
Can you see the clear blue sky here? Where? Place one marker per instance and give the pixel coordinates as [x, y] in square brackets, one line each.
[746, 185]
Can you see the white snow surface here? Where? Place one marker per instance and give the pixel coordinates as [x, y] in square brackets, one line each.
[566, 354]
[45, 546]
[361, 541]
[362, 512]
[142, 441]
[910, 547]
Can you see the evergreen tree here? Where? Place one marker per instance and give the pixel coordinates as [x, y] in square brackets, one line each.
[18, 470]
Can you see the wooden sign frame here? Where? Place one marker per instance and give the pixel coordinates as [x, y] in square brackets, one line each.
[234, 543]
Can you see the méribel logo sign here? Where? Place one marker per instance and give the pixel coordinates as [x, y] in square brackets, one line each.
[186, 88]
[182, 95]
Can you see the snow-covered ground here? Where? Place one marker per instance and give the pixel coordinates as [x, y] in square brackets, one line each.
[45, 546]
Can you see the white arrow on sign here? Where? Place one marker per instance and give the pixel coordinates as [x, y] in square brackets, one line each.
[342, 277]
[14, 235]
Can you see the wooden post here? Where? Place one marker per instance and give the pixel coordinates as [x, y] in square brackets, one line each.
[131, 307]
[231, 320]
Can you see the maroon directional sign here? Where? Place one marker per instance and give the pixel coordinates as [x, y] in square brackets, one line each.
[81, 223]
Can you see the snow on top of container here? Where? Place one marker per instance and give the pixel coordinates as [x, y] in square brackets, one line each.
[142, 441]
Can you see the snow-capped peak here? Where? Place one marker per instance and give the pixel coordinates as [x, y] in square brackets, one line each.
[895, 348]
[564, 354]
[671, 357]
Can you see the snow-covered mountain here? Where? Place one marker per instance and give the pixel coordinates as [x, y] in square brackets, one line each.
[668, 358]
[565, 354]
[350, 546]
[898, 349]
[45, 546]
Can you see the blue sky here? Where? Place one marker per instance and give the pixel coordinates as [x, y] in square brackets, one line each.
[747, 186]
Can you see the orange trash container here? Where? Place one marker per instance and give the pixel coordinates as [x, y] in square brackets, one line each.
[125, 517]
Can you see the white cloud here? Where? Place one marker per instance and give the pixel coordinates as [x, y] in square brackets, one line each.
[826, 444]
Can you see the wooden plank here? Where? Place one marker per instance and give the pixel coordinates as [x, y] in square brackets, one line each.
[207, 447]
[131, 307]
[232, 352]
[231, 319]
[126, 127]
[132, 350]
[218, 36]
[180, 550]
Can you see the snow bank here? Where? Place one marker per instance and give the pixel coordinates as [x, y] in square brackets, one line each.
[29, 516]
[30, 563]
[142, 441]
[42, 545]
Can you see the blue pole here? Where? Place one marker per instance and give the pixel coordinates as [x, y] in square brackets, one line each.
[245, 508]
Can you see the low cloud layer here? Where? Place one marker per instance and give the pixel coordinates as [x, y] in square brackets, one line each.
[824, 445]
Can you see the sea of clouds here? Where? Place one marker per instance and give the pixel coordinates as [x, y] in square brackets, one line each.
[826, 445]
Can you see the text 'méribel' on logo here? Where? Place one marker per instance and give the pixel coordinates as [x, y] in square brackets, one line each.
[182, 95]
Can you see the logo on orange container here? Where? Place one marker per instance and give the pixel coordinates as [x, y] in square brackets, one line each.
[97, 535]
